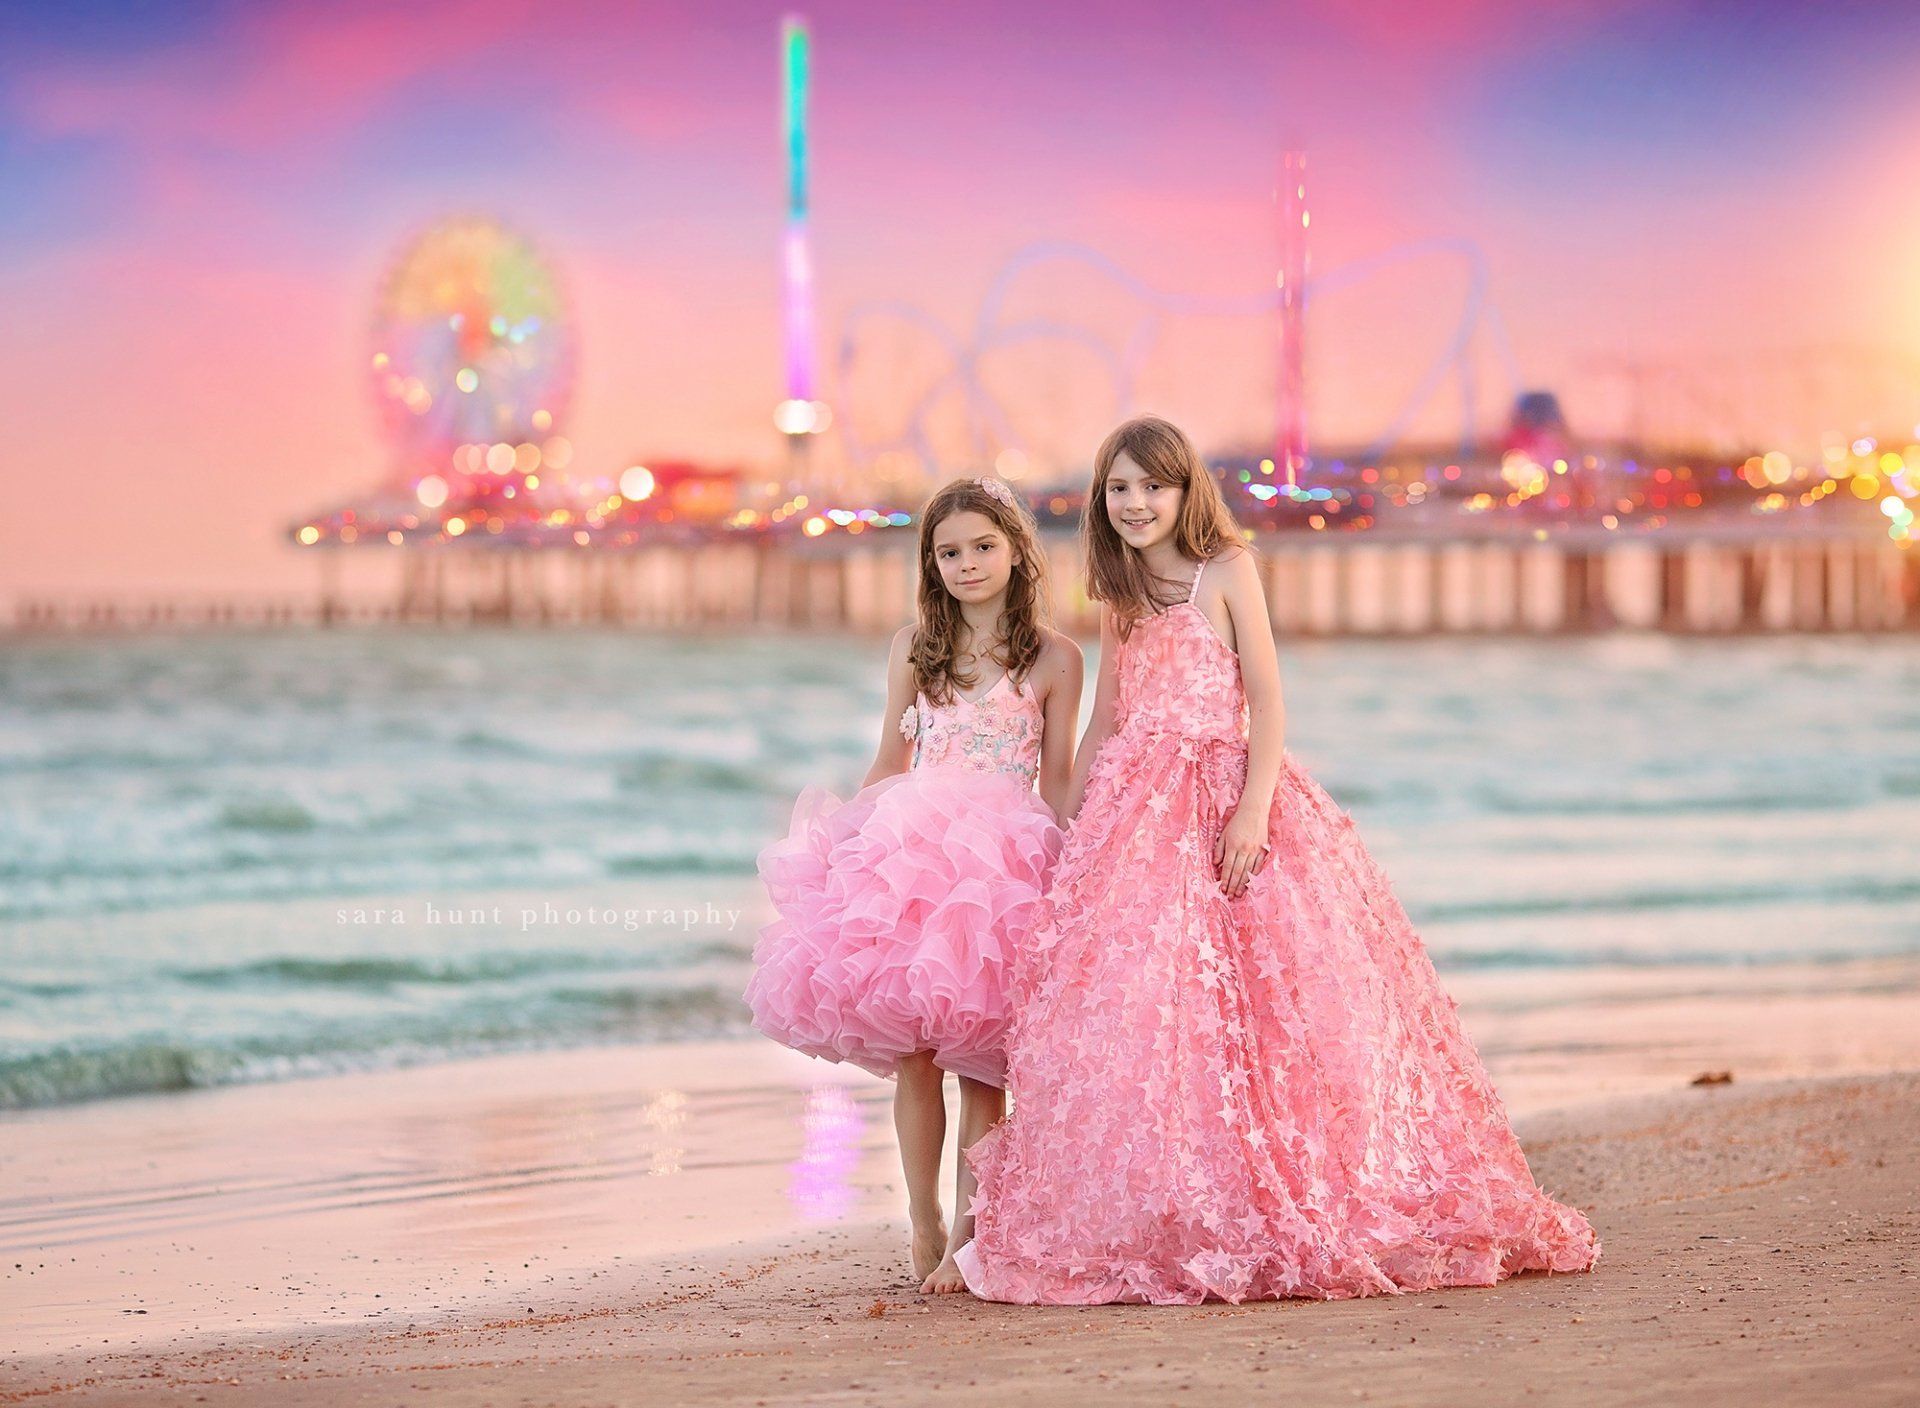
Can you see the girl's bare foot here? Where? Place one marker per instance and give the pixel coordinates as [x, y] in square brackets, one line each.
[946, 1279]
[929, 1245]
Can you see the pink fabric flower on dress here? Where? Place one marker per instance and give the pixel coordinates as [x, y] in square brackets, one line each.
[910, 723]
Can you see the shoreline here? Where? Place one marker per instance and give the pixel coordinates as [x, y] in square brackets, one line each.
[1760, 1240]
[1849, 1013]
[595, 1196]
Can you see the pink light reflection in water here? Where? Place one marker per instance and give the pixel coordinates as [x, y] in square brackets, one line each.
[818, 1184]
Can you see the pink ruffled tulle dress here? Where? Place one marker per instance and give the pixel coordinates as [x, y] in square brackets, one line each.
[898, 911]
[1246, 1098]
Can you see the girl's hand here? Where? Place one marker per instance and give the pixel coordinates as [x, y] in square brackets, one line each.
[1240, 849]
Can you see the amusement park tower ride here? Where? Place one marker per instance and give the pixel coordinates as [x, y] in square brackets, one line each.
[799, 416]
[1290, 447]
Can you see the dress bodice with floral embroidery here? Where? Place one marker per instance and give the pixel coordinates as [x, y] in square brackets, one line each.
[1178, 677]
[998, 733]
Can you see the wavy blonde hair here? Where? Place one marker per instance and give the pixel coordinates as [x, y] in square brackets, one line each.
[1028, 608]
[1118, 575]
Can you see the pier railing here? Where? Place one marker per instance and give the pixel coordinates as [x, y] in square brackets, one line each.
[1317, 585]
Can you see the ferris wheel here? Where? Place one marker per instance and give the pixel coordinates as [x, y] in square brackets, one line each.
[470, 342]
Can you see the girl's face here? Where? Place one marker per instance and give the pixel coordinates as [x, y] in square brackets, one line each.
[1142, 508]
[975, 559]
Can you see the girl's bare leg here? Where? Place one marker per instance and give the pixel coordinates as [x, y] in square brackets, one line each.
[980, 1106]
[920, 1121]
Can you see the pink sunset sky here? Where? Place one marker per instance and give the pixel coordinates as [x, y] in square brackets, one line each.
[201, 199]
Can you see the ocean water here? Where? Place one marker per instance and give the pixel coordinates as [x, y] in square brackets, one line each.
[205, 841]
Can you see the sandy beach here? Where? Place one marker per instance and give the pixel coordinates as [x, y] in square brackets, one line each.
[720, 1222]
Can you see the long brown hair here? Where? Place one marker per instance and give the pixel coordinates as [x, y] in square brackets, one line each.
[1118, 575]
[1028, 606]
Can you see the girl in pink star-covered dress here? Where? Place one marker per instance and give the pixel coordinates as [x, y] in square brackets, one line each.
[1234, 1071]
[898, 910]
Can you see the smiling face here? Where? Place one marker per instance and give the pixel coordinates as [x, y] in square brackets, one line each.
[1143, 509]
[975, 559]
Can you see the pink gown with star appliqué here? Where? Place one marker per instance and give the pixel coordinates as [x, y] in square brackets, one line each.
[897, 912]
[1246, 1098]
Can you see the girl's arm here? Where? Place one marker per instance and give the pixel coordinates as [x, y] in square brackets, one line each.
[895, 753]
[1106, 703]
[1066, 670]
[1245, 834]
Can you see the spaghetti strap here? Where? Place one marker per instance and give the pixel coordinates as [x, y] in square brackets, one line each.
[1194, 590]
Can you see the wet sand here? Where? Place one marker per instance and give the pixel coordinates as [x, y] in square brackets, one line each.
[720, 1222]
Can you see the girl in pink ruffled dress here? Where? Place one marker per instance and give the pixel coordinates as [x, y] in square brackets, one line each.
[1234, 1071]
[898, 911]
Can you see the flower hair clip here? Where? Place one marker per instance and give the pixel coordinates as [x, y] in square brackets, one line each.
[996, 488]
